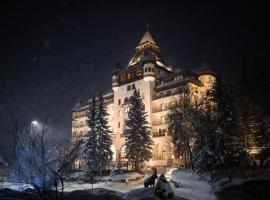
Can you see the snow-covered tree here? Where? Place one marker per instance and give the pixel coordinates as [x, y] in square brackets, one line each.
[104, 139]
[218, 145]
[251, 125]
[180, 126]
[205, 158]
[90, 147]
[138, 141]
[231, 153]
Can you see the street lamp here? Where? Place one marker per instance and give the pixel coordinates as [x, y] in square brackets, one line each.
[34, 123]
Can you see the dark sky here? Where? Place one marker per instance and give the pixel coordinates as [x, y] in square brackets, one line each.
[53, 53]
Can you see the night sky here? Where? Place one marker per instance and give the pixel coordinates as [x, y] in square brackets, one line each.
[54, 53]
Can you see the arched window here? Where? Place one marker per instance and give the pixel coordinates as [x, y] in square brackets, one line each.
[164, 153]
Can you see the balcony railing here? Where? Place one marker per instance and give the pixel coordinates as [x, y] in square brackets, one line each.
[170, 93]
[158, 134]
[158, 123]
[79, 125]
[155, 110]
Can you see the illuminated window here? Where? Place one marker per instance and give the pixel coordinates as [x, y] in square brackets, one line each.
[126, 109]
[139, 73]
[129, 76]
[162, 106]
[163, 119]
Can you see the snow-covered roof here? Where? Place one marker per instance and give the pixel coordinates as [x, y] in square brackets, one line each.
[147, 37]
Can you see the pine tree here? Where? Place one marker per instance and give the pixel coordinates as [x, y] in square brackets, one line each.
[232, 154]
[180, 126]
[90, 148]
[103, 134]
[251, 125]
[217, 145]
[204, 148]
[138, 141]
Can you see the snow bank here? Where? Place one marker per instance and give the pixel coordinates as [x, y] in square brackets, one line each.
[194, 187]
[140, 193]
[15, 186]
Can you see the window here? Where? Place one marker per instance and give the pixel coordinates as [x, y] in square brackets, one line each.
[164, 153]
[133, 86]
[161, 94]
[139, 73]
[129, 76]
[126, 100]
[128, 88]
[162, 106]
[126, 109]
[145, 70]
[149, 69]
[119, 101]
[119, 124]
[163, 120]
[168, 93]
[123, 152]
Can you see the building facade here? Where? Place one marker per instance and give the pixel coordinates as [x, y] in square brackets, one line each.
[160, 85]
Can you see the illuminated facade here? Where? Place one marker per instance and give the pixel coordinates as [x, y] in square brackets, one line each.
[159, 85]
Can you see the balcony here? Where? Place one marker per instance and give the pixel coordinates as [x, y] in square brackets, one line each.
[158, 134]
[159, 123]
[156, 110]
[79, 125]
[169, 93]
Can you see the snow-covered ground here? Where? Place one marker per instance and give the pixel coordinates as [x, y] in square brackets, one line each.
[193, 186]
[133, 180]
[14, 186]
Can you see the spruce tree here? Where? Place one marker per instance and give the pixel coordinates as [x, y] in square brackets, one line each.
[205, 158]
[251, 125]
[138, 141]
[231, 155]
[180, 126]
[103, 134]
[90, 148]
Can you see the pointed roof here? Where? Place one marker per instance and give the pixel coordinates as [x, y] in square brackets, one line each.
[147, 37]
